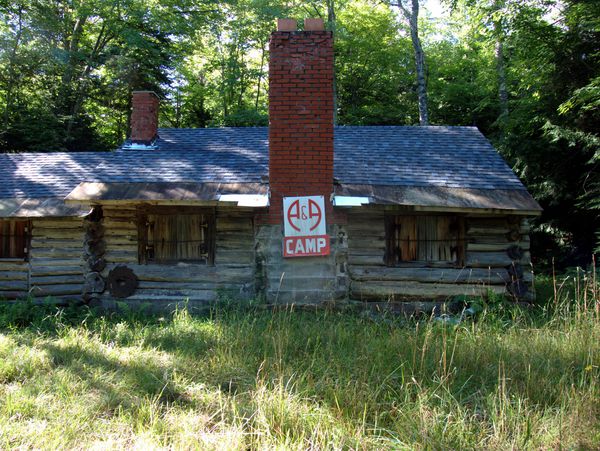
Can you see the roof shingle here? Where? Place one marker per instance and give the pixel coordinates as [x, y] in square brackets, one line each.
[454, 157]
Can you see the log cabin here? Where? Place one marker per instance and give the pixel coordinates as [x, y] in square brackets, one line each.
[301, 211]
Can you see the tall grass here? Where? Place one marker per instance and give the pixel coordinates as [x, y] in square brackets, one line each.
[237, 379]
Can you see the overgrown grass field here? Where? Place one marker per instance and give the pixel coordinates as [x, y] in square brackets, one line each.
[297, 380]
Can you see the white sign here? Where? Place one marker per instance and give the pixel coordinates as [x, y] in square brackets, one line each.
[305, 229]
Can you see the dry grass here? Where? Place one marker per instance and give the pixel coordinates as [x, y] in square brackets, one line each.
[292, 380]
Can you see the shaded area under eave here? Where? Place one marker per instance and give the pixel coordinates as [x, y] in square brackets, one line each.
[439, 198]
[51, 207]
[160, 191]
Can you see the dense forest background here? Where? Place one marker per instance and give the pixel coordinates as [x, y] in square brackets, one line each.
[526, 72]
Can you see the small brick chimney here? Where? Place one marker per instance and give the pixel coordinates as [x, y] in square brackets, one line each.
[300, 113]
[144, 117]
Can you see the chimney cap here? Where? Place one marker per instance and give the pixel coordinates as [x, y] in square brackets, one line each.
[314, 25]
[146, 92]
[287, 25]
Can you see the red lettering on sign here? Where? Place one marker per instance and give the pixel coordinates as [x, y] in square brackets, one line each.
[303, 246]
[296, 214]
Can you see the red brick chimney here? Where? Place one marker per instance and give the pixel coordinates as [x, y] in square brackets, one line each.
[144, 116]
[300, 113]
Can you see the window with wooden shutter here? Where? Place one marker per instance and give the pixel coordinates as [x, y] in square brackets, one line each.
[14, 239]
[430, 239]
[179, 236]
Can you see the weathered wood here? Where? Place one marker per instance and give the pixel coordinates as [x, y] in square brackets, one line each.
[192, 286]
[13, 285]
[71, 223]
[486, 231]
[189, 272]
[96, 264]
[354, 259]
[35, 262]
[235, 256]
[494, 247]
[449, 275]
[56, 270]
[12, 275]
[52, 243]
[17, 294]
[51, 290]
[94, 283]
[487, 259]
[57, 279]
[41, 233]
[61, 253]
[152, 296]
[12, 265]
[393, 290]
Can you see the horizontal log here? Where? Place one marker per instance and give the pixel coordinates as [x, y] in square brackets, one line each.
[131, 234]
[56, 270]
[247, 246]
[234, 256]
[58, 290]
[57, 279]
[495, 247]
[494, 230]
[487, 230]
[189, 272]
[354, 259]
[131, 248]
[300, 267]
[119, 239]
[13, 285]
[117, 257]
[73, 223]
[290, 282]
[37, 243]
[12, 295]
[226, 234]
[13, 266]
[428, 275]
[170, 295]
[43, 261]
[13, 275]
[120, 223]
[487, 259]
[62, 253]
[192, 286]
[394, 290]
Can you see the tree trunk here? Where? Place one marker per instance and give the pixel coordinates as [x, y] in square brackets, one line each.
[263, 51]
[419, 63]
[12, 73]
[501, 72]
[332, 26]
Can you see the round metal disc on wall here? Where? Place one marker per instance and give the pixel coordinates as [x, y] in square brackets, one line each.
[122, 282]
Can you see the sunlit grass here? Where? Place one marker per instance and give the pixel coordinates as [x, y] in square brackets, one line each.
[296, 380]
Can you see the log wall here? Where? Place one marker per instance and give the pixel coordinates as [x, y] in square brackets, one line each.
[166, 286]
[54, 267]
[486, 266]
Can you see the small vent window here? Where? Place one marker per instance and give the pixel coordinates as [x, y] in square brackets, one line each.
[430, 239]
[14, 239]
[170, 238]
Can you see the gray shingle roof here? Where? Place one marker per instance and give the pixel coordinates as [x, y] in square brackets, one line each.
[455, 157]
[44, 175]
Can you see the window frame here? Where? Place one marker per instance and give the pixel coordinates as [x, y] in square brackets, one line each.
[392, 257]
[26, 240]
[142, 222]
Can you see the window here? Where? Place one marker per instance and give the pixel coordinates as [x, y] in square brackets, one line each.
[14, 239]
[430, 239]
[169, 236]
